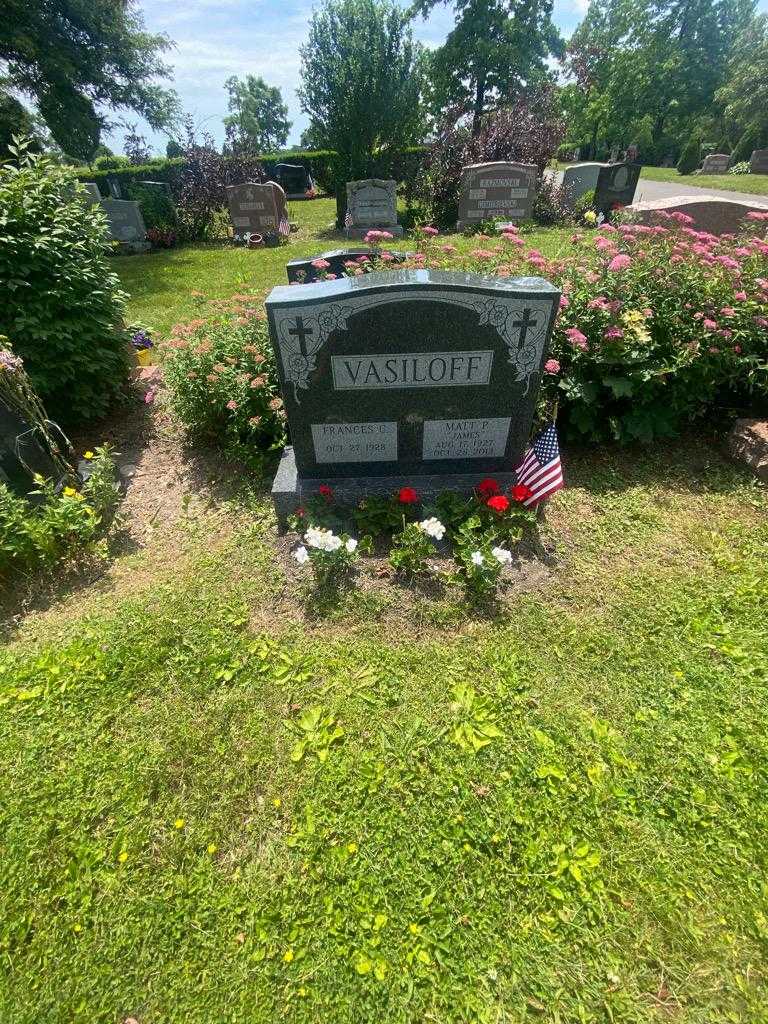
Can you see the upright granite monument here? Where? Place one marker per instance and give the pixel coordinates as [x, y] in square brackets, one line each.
[294, 179]
[256, 209]
[615, 186]
[716, 163]
[580, 178]
[126, 224]
[420, 378]
[758, 162]
[372, 205]
[92, 189]
[496, 191]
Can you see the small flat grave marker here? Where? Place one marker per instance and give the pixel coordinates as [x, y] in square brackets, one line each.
[301, 269]
[496, 191]
[421, 378]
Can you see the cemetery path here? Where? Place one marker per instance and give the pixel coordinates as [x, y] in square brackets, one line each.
[648, 190]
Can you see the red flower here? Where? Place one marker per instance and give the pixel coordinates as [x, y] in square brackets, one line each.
[498, 503]
[407, 496]
[488, 487]
[520, 492]
[325, 490]
[300, 512]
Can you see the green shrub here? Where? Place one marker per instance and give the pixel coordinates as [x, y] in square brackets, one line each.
[585, 202]
[59, 525]
[59, 302]
[749, 141]
[223, 382]
[157, 209]
[111, 163]
[689, 158]
[723, 146]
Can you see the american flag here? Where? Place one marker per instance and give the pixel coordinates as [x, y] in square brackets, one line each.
[541, 469]
[284, 227]
[348, 222]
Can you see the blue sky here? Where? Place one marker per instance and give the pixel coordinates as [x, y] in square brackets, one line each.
[218, 38]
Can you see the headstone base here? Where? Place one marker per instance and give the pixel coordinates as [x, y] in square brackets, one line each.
[396, 230]
[132, 247]
[289, 489]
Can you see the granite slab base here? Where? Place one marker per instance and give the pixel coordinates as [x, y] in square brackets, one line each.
[289, 489]
[396, 230]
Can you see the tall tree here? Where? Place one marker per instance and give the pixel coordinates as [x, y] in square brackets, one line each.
[258, 118]
[496, 50]
[361, 84]
[77, 59]
[745, 93]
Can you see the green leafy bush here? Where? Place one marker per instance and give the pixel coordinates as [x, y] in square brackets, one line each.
[59, 525]
[222, 379]
[689, 158]
[59, 301]
[156, 207]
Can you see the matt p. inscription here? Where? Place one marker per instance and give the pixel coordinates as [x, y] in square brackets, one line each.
[412, 370]
[355, 442]
[466, 439]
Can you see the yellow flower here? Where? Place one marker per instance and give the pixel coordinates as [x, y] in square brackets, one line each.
[352, 847]
[288, 956]
[212, 848]
[123, 857]
[69, 492]
[179, 823]
[590, 217]
[88, 455]
[77, 927]
[277, 801]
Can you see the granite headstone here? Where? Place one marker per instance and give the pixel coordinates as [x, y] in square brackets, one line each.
[92, 190]
[715, 214]
[302, 271]
[716, 163]
[160, 186]
[758, 162]
[294, 179]
[616, 185]
[496, 191]
[421, 378]
[580, 178]
[256, 209]
[372, 205]
[125, 223]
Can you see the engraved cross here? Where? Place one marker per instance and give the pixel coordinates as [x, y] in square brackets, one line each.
[302, 333]
[524, 324]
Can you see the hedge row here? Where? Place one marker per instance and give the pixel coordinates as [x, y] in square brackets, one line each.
[322, 165]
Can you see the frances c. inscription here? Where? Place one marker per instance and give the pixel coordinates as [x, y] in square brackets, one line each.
[466, 439]
[412, 370]
[355, 442]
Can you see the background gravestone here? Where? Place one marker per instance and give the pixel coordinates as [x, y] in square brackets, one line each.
[715, 214]
[424, 378]
[24, 452]
[92, 190]
[372, 205]
[294, 179]
[616, 185]
[160, 186]
[301, 269]
[716, 163]
[496, 191]
[255, 208]
[580, 178]
[758, 162]
[125, 224]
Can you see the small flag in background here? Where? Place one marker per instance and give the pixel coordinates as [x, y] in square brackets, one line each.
[348, 222]
[541, 469]
[284, 227]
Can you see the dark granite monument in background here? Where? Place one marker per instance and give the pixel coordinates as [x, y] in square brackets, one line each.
[420, 378]
[616, 185]
[294, 179]
[301, 270]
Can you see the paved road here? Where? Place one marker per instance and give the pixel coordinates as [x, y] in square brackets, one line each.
[647, 189]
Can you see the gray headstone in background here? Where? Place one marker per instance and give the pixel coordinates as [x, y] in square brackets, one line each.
[716, 163]
[427, 378]
[580, 178]
[758, 162]
[93, 191]
[616, 185]
[161, 186]
[294, 179]
[125, 223]
[372, 205]
[496, 191]
[255, 208]
[113, 184]
[710, 213]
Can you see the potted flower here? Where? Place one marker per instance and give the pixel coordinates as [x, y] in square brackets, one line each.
[142, 345]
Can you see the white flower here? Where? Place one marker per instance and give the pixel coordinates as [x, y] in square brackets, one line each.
[323, 540]
[351, 545]
[301, 555]
[477, 558]
[433, 528]
[502, 555]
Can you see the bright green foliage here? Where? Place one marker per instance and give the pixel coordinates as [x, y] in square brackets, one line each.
[59, 525]
[745, 94]
[60, 304]
[689, 158]
[75, 57]
[411, 548]
[258, 119]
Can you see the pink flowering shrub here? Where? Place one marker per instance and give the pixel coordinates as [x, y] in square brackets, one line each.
[222, 380]
[659, 324]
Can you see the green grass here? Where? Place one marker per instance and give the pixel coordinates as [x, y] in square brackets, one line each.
[163, 856]
[754, 184]
[160, 284]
